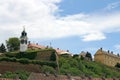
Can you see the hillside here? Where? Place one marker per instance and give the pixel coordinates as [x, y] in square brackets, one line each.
[40, 61]
[14, 66]
[45, 54]
[76, 66]
[41, 54]
[30, 60]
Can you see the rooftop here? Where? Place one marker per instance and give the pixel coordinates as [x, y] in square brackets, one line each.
[101, 51]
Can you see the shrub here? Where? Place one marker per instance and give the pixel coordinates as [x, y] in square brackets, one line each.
[52, 64]
[75, 56]
[46, 68]
[117, 65]
[53, 56]
[4, 59]
[29, 55]
[11, 54]
[65, 55]
[24, 61]
[23, 75]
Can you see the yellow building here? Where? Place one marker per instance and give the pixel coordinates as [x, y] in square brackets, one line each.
[106, 57]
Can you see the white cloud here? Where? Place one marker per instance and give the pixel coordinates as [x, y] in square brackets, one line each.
[41, 22]
[112, 5]
[94, 36]
[117, 47]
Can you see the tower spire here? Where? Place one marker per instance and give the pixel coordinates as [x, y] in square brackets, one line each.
[23, 40]
[24, 28]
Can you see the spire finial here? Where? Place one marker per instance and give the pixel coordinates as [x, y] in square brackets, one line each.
[24, 28]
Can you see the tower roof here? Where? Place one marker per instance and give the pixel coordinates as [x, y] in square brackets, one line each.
[23, 32]
[100, 51]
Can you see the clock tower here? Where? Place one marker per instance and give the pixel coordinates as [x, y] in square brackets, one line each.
[23, 41]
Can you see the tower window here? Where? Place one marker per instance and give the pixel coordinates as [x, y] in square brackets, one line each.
[22, 41]
[25, 41]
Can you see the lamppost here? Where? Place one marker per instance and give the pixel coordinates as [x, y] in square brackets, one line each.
[57, 61]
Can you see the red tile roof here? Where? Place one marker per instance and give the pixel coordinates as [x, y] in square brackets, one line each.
[36, 46]
[43, 47]
[61, 51]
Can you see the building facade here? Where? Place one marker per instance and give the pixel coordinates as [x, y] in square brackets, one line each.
[37, 46]
[23, 41]
[106, 57]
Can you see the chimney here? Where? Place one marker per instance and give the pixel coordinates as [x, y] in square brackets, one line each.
[36, 43]
[47, 46]
[118, 55]
[67, 50]
[101, 48]
[108, 51]
[111, 52]
[29, 42]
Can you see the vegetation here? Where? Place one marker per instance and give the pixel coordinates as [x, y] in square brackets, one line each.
[117, 65]
[53, 56]
[27, 61]
[75, 55]
[76, 66]
[2, 48]
[23, 75]
[47, 69]
[27, 54]
[70, 65]
[89, 56]
[46, 55]
[65, 55]
[67, 64]
[13, 44]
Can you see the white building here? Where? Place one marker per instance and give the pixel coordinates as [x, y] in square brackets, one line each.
[23, 41]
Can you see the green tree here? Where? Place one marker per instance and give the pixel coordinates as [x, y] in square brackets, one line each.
[13, 44]
[82, 58]
[75, 56]
[53, 56]
[2, 48]
[89, 56]
[117, 65]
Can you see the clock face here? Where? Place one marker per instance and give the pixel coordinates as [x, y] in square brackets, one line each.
[22, 41]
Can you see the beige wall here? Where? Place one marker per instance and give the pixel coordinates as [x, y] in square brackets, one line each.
[106, 58]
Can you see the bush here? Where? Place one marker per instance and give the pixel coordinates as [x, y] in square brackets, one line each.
[23, 75]
[11, 54]
[65, 55]
[46, 68]
[52, 64]
[4, 59]
[27, 61]
[75, 56]
[117, 65]
[53, 56]
[29, 55]
[24, 61]
[9, 74]
[76, 66]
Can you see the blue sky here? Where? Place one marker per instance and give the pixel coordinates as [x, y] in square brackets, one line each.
[74, 25]
[74, 43]
[70, 7]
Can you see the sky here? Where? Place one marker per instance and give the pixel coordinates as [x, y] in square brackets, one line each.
[74, 25]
